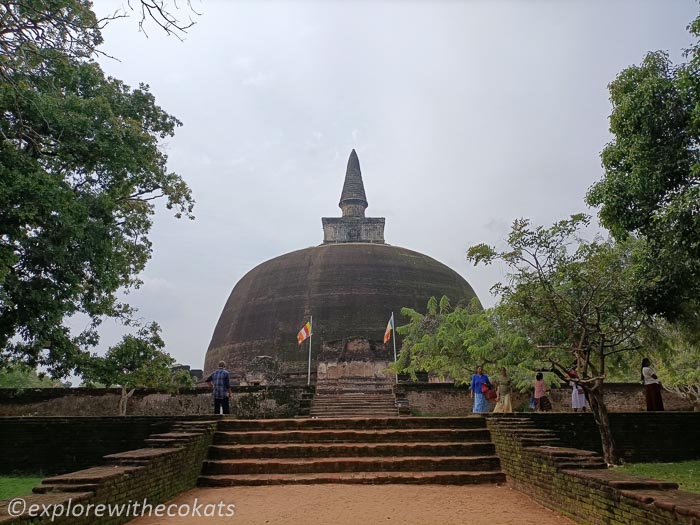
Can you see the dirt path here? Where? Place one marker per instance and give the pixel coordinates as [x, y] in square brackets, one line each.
[366, 505]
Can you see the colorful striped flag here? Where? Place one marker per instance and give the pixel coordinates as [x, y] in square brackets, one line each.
[389, 328]
[304, 333]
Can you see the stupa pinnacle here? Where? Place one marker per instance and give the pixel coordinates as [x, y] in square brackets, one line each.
[353, 201]
[353, 226]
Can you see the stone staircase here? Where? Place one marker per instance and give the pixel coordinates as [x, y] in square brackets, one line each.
[544, 443]
[351, 450]
[354, 397]
[354, 405]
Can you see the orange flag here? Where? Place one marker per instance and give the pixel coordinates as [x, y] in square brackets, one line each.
[304, 333]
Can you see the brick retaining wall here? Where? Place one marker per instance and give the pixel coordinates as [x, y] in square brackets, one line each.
[639, 436]
[573, 483]
[155, 474]
[53, 445]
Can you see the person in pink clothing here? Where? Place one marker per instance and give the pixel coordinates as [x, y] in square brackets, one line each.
[542, 403]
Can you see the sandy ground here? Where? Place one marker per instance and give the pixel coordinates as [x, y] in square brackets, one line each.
[365, 505]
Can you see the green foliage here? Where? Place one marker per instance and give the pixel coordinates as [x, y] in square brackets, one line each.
[570, 298]
[81, 169]
[452, 343]
[567, 302]
[651, 186]
[20, 376]
[136, 361]
[676, 358]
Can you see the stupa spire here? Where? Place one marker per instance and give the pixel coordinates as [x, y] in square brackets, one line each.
[353, 201]
[353, 226]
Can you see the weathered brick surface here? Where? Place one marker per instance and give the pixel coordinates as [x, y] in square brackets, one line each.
[248, 402]
[159, 475]
[587, 495]
[54, 445]
[639, 436]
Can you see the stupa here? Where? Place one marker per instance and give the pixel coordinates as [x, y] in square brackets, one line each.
[350, 284]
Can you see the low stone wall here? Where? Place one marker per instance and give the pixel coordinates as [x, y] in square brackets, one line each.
[436, 399]
[248, 402]
[444, 399]
[153, 475]
[571, 482]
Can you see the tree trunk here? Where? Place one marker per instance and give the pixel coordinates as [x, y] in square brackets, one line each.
[600, 414]
[124, 399]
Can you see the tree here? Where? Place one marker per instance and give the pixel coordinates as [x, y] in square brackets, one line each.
[137, 361]
[567, 303]
[573, 301]
[81, 169]
[454, 342]
[651, 185]
[677, 361]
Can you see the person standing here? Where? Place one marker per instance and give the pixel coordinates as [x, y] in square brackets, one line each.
[481, 405]
[503, 390]
[542, 403]
[578, 396]
[220, 381]
[652, 387]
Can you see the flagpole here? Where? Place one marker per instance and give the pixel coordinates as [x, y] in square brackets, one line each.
[311, 324]
[393, 327]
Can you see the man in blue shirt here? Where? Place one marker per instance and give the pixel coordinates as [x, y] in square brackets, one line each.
[220, 381]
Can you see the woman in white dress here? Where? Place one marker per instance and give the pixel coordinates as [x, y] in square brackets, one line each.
[578, 396]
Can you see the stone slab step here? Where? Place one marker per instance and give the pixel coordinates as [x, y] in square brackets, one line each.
[363, 436]
[329, 415]
[358, 464]
[357, 423]
[354, 405]
[373, 478]
[355, 412]
[356, 395]
[48, 488]
[296, 450]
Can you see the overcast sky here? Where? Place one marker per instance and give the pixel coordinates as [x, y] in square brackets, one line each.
[465, 115]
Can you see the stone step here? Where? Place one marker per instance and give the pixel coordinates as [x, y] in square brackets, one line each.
[299, 450]
[348, 411]
[355, 464]
[354, 436]
[359, 423]
[371, 408]
[437, 478]
[533, 442]
[355, 413]
[354, 402]
[582, 465]
[46, 488]
[348, 391]
[356, 395]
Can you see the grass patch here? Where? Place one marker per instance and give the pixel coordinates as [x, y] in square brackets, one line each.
[11, 486]
[685, 473]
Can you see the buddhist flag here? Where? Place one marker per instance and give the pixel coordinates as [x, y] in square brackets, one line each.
[389, 328]
[304, 333]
